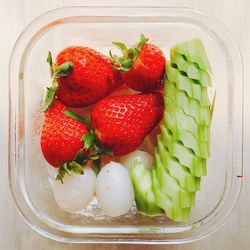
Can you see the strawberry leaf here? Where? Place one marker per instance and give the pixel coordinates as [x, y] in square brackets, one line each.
[94, 156]
[64, 69]
[60, 175]
[102, 151]
[97, 165]
[75, 116]
[87, 122]
[51, 64]
[122, 47]
[127, 63]
[76, 167]
[88, 140]
[67, 168]
[129, 55]
[50, 95]
[143, 40]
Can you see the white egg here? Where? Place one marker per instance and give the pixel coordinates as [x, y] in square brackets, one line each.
[114, 190]
[76, 191]
[144, 157]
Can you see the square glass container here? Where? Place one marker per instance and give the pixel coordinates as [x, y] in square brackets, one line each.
[97, 27]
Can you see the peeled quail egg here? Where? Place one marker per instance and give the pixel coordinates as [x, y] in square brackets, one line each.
[76, 191]
[114, 190]
[144, 157]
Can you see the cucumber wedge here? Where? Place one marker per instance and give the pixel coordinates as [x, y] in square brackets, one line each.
[143, 187]
[187, 138]
[182, 174]
[162, 200]
[171, 118]
[170, 186]
[191, 69]
[193, 51]
[181, 80]
[174, 97]
[184, 155]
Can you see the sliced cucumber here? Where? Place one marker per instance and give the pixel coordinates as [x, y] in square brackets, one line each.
[179, 172]
[181, 80]
[184, 155]
[170, 186]
[201, 76]
[162, 200]
[174, 97]
[193, 51]
[143, 187]
[187, 123]
[187, 138]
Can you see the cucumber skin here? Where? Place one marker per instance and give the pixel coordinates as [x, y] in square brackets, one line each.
[194, 51]
[144, 194]
[187, 138]
[174, 97]
[174, 212]
[200, 132]
[193, 72]
[171, 188]
[182, 82]
[182, 174]
[185, 156]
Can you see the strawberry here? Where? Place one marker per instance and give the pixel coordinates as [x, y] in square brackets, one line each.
[62, 137]
[120, 123]
[81, 76]
[142, 66]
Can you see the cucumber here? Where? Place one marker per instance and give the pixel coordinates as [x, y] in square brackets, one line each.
[199, 148]
[174, 97]
[201, 76]
[187, 123]
[184, 155]
[182, 82]
[183, 145]
[162, 200]
[193, 51]
[170, 186]
[143, 188]
[179, 172]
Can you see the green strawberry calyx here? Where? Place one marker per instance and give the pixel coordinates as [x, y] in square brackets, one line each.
[91, 145]
[56, 72]
[129, 55]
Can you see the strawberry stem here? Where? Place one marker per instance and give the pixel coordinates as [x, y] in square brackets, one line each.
[129, 55]
[56, 72]
[79, 162]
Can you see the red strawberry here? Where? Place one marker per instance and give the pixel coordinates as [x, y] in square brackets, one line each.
[142, 66]
[122, 122]
[81, 76]
[61, 138]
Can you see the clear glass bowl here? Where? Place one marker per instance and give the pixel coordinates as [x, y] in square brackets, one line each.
[97, 27]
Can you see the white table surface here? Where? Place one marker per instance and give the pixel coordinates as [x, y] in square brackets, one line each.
[14, 16]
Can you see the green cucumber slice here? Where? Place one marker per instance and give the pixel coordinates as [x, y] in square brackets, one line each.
[176, 120]
[174, 212]
[194, 51]
[200, 148]
[184, 155]
[143, 187]
[170, 187]
[201, 76]
[186, 84]
[174, 97]
[179, 172]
